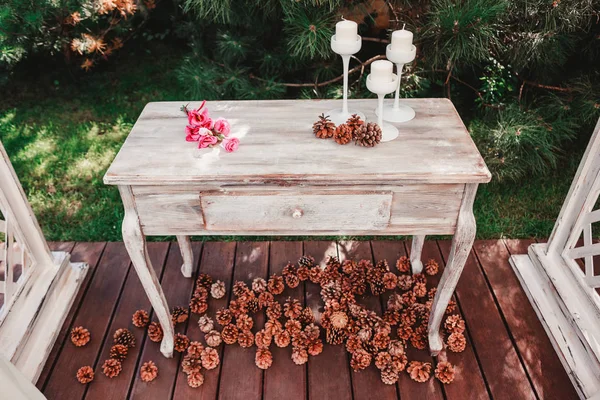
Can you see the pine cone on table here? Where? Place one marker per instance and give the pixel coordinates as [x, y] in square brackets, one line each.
[392, 317]
[112, 367]
[409, 298]
[195, 379]
[292, 281]
[148, 371]
[361, 359]
[244, 322]
[125, 337]
[179, 315]
[118, 352]
[367, 135]
[343, 134]
[456, 342]
[418, 339]
[323, 128]
[181, 342]
[419, 371]
[389, 376]
[240, 289]
[245, 338]
[444, 371]
[299, 356]
[140, 318]
[405, 331]
[205, 323]
[85, 374]
[432, 267]
[217, 290]
[264, 299]
[80, 336]
[431, 293]
[229, 334]
[263, 358]
[155, 332]
[403, 264]
[195, 349]
[276, 285]
[292, 308]
[213, 338]
[210, 358]
[454, 324]
[354, 122]
[191, 364]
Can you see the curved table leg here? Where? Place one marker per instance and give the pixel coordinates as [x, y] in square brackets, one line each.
[415, 253]
[138, 252]
[185, 246]
[461, 246]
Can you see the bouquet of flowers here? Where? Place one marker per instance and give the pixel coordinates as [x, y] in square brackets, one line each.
[207, 132]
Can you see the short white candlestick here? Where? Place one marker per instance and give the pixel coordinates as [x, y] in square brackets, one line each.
[382, 87]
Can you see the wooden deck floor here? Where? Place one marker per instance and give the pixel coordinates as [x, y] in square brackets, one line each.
[508, 356]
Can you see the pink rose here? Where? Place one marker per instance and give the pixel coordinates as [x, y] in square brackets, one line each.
[191, 133]
[200, 117]
[206, 141]
[231, 145]
[222, 126]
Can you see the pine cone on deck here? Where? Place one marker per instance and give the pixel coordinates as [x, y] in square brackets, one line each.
[339, 319]
[389, 376]
[140, 318]
[282, 339]
[292, 308]
[323, 128]
[195, 379]
[396, 348]
[405, 282]
[299, 356]
[85, 374]
[195, 349]
[80, 336]
[198, 305]
[444, 371]
[125, 337]
[217, 290]
[432, 267]
[454, 324]
[118, 352]
[276, 285]
[306, 261]
[360, 360]
[210, 358]
[263, 358]
[262, 339]
[259, 285]
[204, 280]
[179, 315]
[245, 338]
[213, 338]
[155, 332]
[224, 316]
[272, 327]
[419, 371]
[181, 342]
[112, 367]
[456, 342]
[343, 134]
[403, 264]
[205, 323]
[368, 135]
[315, 347]
[335, 336]
[229, 334]
[148, 371]
[191, 364]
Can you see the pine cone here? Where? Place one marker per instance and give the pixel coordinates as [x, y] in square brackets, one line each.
[274, 310]
[431, 293]
[292, 308]
[420, 289]
[306, 261]
[229, 334]
[451, 307]
[118, 352]
[343, 134]
[140, 318]
[293, 326]
[263, 358]
[240, 289]
[244, 322]
[323, 128]
[405, 331]
[389, 376]
[259, 285]
[282, 339]
[383, 360]
[85, 374]
[409, 298]
[403, 264]
[264, 299]
[198, 305]
[273, 327]
[353, 343]
[262, 339]
[292, 281]
[390, 280]
[210, 358]
[315, 347]
[354, 122]
[396, 348]
[276, 285]
[206, 323]
[303, 273]
[432, 267]
[392, 317]
[456, 342]
[204, 280]
[419, 371]
[195, 379]
[399, 362]
[112, 367]
[307, 316]
[224, 316]
[454, 324]
[80, 336]
[368, 135]
[312, 331]
[181, 342]
[299, 356]
[360, 360]
[418, 339]
[201, 292]
[217, 290]
[213, 338]
[155, 332]
[444, 371]
[339, 320]
[245, 338]
[191, 364]
[125, 337]
[195, 349]
[381, 340]
[314, 274]
[179, 315]
[405, 282]
[253, 305]
[148, 371]
[335, 336]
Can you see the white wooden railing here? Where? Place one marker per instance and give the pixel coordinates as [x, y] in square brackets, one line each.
[560, 279]
[35, 305]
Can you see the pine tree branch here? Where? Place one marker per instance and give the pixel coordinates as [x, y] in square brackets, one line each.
[376, 40]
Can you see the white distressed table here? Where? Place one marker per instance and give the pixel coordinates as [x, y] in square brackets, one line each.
[284, 181]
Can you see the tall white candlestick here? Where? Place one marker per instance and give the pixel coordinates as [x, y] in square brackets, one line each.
[381, 70]
[346, 31]
[402, 40]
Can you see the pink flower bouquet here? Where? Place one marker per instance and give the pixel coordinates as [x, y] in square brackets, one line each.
[207, 132]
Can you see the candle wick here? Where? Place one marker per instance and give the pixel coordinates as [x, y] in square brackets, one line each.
[403, 26]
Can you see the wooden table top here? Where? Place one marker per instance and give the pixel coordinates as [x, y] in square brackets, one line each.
[277, 146]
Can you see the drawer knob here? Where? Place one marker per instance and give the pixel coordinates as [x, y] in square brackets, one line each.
[297, 213]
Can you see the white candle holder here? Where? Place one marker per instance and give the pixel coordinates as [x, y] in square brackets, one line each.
[345, 49]
[398, 112]
[388, 132]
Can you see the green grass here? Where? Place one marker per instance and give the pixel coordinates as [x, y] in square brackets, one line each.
[63, 131]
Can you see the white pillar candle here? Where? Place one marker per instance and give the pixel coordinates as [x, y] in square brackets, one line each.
[346, 31]
[381, 70]
[402, 40]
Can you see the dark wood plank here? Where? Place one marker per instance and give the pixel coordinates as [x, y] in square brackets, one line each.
[499, 360]
[178, 291]
[240, 377]
[469, 382]
[217, 261]
[543, 365]
[132, 298]
[285, 379]
[328, 373]
[366, 384]
[94, 314]
[408, 389]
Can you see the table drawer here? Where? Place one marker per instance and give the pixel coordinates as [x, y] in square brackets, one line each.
[302, 212]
